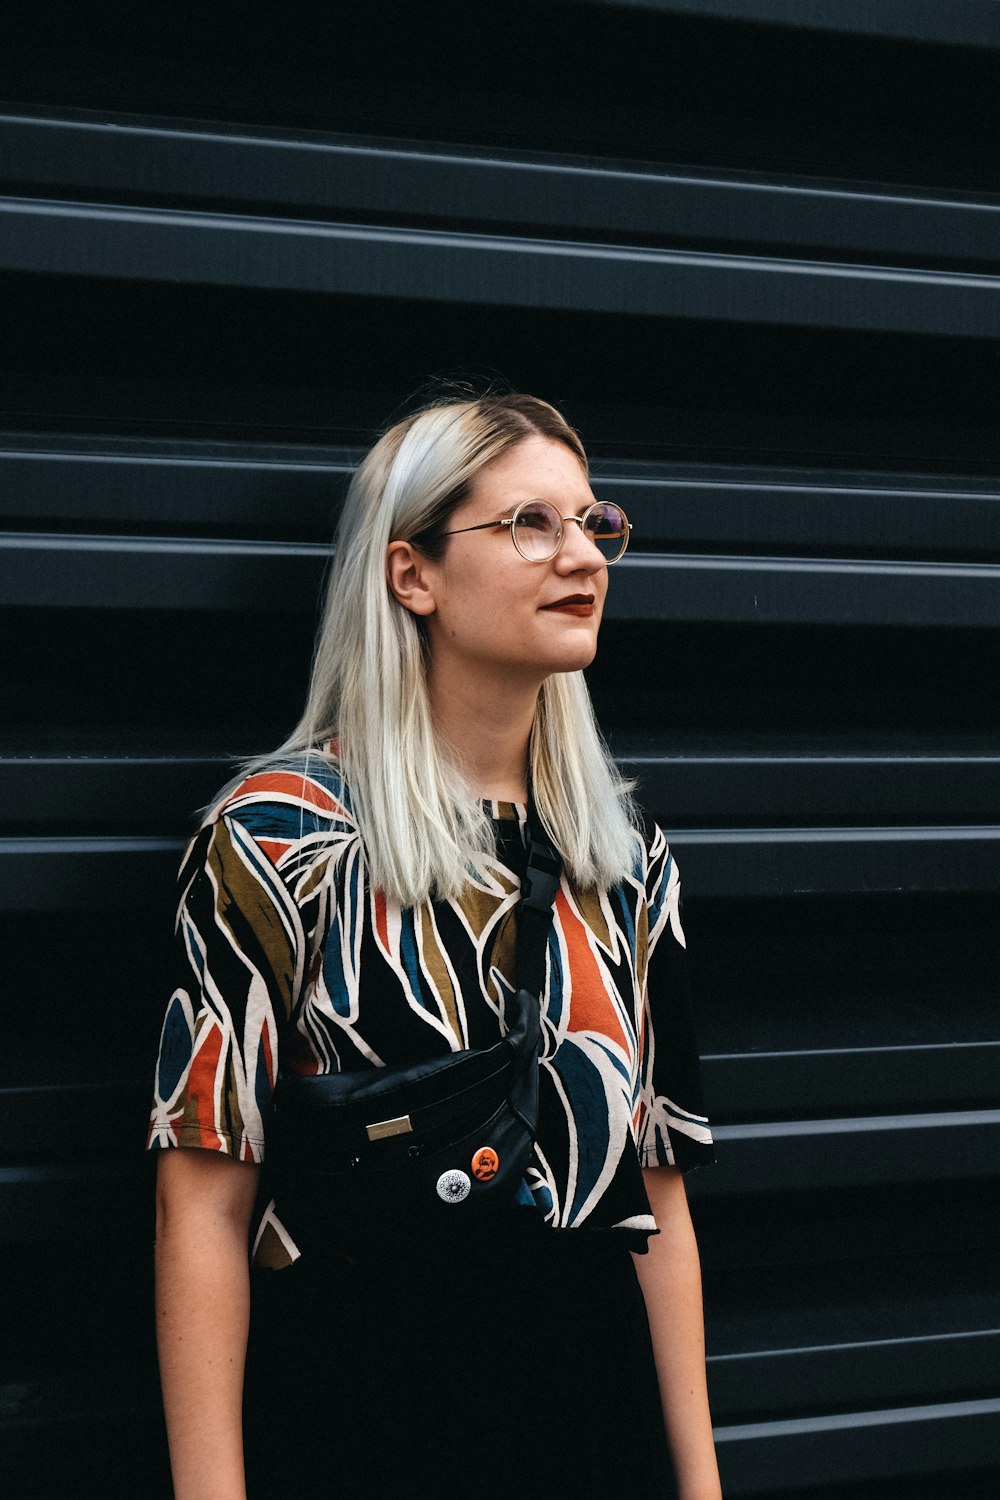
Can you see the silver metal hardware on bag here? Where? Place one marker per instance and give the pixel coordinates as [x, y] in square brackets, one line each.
[380, 1129]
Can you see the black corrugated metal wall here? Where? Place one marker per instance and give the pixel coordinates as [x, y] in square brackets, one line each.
[753, 250]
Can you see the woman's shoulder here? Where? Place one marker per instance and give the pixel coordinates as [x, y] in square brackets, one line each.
[649, 834]
[287, 796]
[659, 868]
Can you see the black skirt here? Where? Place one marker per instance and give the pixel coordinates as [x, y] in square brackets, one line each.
[515, 1366]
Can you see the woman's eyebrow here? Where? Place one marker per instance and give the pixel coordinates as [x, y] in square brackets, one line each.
[540, 500]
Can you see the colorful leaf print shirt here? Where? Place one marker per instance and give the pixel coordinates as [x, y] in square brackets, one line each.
[286, 957]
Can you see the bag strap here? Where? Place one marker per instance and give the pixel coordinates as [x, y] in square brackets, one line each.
[535, 908]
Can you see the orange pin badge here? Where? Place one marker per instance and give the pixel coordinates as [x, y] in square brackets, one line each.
[485, 1164]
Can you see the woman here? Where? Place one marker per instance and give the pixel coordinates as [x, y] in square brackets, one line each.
[350, 903]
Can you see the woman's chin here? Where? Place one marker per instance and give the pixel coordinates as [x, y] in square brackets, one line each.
[576, 660]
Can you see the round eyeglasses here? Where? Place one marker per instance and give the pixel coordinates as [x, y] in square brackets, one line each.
[537, 529]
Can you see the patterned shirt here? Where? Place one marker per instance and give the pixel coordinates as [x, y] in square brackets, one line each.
[285, 957]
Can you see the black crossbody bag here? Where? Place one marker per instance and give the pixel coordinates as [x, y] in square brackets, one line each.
[444, 1140]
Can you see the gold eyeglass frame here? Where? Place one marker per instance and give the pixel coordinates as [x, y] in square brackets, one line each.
[580, 521]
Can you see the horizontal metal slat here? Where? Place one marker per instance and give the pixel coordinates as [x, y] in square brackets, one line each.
[38, 1119]
[297, 492]
[862, 1079]
[827, 591]
[96, 240]
[354, 178]
[702, 785]
[137, 790]
[785, 861]
[294, 493]
[802, 1155]
[826, 1376]
[967, 23]
[777, 784]
[703, 507]
[755, 1457]
[120, 874]
[81, 572]
[87, 874]
[39, 1202]
[84, 572]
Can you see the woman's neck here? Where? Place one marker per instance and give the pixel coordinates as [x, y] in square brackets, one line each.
[486, 726]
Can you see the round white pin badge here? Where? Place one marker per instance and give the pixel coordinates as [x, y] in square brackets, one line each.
[453, 1186]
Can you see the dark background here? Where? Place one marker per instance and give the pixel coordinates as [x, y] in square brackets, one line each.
[752, 250]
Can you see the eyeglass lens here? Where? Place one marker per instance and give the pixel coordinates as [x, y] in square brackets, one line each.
[536, 530]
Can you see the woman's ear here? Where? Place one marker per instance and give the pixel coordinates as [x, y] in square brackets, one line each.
[407, 572]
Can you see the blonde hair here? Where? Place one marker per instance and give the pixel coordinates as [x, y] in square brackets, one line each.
[422, 828]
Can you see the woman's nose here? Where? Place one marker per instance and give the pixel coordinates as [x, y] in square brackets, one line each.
[578, 553]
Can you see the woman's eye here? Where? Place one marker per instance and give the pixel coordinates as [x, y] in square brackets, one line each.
[604, 523]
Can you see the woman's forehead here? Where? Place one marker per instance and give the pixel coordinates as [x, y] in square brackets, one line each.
[537, 468]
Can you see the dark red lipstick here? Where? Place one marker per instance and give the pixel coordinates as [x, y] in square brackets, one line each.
[581, 605]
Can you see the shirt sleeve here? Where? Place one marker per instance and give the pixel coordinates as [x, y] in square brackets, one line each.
[249, 919]
[674, 1129]
[237, 968]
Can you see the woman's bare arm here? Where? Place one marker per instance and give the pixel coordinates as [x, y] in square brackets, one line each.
[203, 1205]
[670, 1277]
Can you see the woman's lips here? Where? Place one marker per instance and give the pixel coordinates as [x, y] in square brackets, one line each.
[582, 608]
